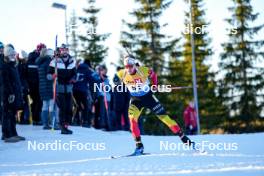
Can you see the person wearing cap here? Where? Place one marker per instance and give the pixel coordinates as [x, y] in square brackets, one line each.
[12, 96]
[1, 64]
[66, 76]
[138, 80]
[33, 83]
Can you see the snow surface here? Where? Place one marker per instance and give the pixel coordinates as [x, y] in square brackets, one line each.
[19, 159]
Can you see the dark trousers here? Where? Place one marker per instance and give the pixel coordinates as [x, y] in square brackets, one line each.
[9, 122]
[192, 131]
[97, 114]
[122, 116]
[82, 107]
[105, 119]
[64, 102]
[1, 100]
[24, 115]
[1, 112]
[102, 115]
[36, 105]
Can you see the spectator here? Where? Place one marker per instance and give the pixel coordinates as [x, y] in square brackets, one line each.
[81, 91]
[46, 89]
[190, 119]
[104, 100]
[120, 106]
[22, 69]
[66, 75]
[33, 83]
[12, 96]
[1, 87]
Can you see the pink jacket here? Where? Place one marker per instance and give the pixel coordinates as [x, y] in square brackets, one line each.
[190, 117]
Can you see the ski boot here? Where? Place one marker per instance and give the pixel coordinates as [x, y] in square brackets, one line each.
[186, 140]
[139, 147]
[65, 130]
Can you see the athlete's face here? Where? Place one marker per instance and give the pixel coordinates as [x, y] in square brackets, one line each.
[130, 69]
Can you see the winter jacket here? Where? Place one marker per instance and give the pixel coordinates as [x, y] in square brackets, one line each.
[190, 117]
[45, 85]
[11, 86]
[85, 77]
[22, 70]
[1, 82]
[1, 60]
[66, 74]
[32, 71]
[107, 93]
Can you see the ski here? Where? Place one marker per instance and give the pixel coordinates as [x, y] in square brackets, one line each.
[130, 155]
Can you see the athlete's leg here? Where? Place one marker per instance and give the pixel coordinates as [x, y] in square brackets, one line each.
[134, 114]
[153, 103]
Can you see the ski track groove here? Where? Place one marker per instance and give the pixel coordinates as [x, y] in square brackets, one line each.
[174, 172]
[141, 156]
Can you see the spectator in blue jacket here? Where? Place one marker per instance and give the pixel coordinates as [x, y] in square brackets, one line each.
[85, 79]
[104, 98]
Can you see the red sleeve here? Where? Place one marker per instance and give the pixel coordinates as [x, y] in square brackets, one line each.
[153, 76]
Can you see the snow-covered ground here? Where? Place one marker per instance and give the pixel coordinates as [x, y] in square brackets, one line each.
[91, 151]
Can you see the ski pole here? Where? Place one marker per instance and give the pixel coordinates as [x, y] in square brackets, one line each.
[182, 87]
[128, 50]
[163, 89]
[55, 84]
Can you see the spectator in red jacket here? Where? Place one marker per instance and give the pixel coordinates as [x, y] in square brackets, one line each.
[190, 119]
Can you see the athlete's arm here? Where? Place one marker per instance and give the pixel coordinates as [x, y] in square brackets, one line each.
[153, 77]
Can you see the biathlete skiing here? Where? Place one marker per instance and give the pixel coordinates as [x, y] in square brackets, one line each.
[138, 80]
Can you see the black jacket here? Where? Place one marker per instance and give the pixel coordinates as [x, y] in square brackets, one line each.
[66, 73]
[1, 82]
[22, 70]
[85, 77]
[1, 60]
[45, 85]
[11, 86]
[32, 71]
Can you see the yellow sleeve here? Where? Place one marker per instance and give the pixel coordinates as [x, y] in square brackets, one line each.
[120, 74]
[144, 70]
